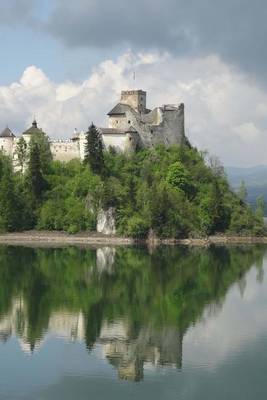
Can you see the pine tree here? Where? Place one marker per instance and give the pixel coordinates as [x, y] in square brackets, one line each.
[94, 150]
[242, 192]
[260, 207]
[42, 141]
[36, 179]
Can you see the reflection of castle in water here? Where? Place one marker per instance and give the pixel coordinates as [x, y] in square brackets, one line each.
[16, 324]
[126, 351]
[69, 326]
[150, 346]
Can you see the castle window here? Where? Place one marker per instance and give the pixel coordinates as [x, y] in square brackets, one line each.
[151, 131]
[117, 121]
[129, 122]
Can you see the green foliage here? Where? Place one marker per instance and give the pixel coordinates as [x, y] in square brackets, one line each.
[213, 210]
[94, 150]
[8, 206]
[260, 207]
[73, 199]
[136, 227]
[15, 211]
[41, 141]
[36, 181]
[179, 178]
[21, 152]
[259, 229]
[169, 190]
[242, 191]
[172, 191]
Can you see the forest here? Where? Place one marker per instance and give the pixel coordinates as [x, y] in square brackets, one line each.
[174, 192]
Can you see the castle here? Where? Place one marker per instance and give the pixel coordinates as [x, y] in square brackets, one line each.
[130, 126]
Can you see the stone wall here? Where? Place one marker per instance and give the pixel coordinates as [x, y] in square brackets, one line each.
[120, 142]
[6, 145]
[163, 125]
[134, 98]
[118, 122]
[65, 150]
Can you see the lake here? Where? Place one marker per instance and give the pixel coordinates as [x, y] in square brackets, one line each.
[133, 323]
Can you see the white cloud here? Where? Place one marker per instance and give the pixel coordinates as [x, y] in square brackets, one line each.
[215, 338]
[248, 133]
[226, 113]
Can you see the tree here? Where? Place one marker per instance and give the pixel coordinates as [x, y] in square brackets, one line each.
[8, 206]
[179, 178]
[21, 152]
[45, 155]
[242, 191]
[260, 207]
[216, 166]
[36, 179]
[214, 214]
[94, 150]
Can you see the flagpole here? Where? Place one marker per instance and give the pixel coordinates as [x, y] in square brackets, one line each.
[134, 78]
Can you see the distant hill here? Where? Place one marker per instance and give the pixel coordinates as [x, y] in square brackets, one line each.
[255, 179]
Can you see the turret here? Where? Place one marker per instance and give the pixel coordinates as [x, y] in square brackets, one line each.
[134, 98]
[32, 131]
[7, 141]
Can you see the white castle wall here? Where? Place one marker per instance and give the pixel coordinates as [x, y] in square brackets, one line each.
[118, 122]
[119, 142]
[62, 150]
[65, 150]
[6, 145]
[82, 142]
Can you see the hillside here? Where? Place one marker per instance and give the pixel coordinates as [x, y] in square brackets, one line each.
[169, 191]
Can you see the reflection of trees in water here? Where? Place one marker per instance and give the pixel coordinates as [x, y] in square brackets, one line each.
[137, 305]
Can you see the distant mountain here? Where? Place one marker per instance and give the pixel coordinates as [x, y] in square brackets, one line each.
[255, 179]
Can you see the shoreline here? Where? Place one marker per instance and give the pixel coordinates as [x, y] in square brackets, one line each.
[54, 238]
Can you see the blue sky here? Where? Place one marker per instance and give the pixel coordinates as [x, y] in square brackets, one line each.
[66, 62]
[24, 44]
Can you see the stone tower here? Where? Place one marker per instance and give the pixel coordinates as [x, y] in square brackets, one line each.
[134, 98]
[132, 125]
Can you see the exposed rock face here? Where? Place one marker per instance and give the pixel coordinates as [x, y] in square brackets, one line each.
[105, 257]
[106, 222]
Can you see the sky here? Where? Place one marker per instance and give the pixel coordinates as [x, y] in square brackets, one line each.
[65, 63]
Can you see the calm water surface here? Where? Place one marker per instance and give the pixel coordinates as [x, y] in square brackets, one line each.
[128, 323]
